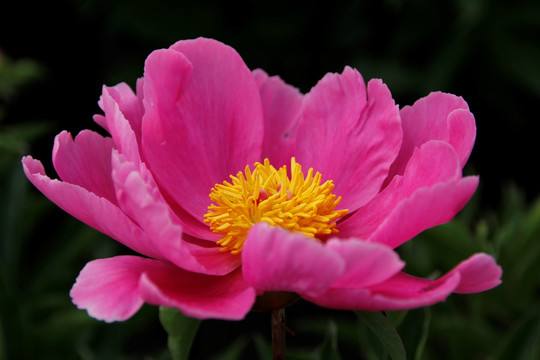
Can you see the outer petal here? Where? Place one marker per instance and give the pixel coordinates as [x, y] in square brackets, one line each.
[348, 136]
[365, 263]
[282, 105]
[405, 297]
[91, 209]
[438, 116]
[202, 121]
[275, 259]
[478, 273]
[85, 161]
[462, 133]
[430, 193]
[109, 288]
[427, 208]
[121, 130]
[130, 104]
[402, 291]
[226, 297]
[140, 198]
[115, 288]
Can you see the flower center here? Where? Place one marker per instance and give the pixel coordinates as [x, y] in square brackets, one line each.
[297, 203]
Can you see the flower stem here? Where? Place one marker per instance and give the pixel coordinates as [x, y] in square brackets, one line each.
[278, 334]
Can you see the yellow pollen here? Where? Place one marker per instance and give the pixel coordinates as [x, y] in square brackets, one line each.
[299, 203]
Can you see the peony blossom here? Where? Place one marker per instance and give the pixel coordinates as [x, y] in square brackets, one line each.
[239, 191]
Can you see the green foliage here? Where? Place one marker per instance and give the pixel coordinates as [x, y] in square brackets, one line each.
[181, 329]
[385, 332]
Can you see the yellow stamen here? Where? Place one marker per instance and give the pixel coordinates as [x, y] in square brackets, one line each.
[299, 204]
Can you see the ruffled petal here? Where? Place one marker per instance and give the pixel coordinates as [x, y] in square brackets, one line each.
[203, 119]
[85, 161]
[478, 273]
[438, 116]
[130, 104]
[226, 297]
[282, 106]
[397, 293]
[95, 211]
[365, 263]
[428, 207]
[125, 139]
[109, 288]
[462, 133]
[350, 136]
[140, 198]
[434, 171]
[115, 288]
[148, 192]
[398, 290]
[274, 259]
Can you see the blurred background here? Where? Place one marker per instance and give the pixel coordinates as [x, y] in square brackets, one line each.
[55, 57]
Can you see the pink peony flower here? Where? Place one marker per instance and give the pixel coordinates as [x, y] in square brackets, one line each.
[234, 187]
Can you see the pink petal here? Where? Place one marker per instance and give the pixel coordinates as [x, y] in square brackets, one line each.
[115, 288]
[203, 119]
[85, 161]
[226, 297]
[141, 200]
[478, 273]
[462, 133]
[428, 207]
[409, 294]
[436, 117]
[282, 105]
[403, 291]
[365, 263]
[118, 126]
[399, 296]
[146, 191]
[349, 136]
[101, 121]
[129, 104]
[431, 166]
[274, 259]
[95, 211]
[109, 288]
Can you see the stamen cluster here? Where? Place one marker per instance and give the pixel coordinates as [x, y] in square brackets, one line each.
[297, 203]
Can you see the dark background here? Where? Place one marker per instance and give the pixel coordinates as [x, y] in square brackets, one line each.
[485, 51]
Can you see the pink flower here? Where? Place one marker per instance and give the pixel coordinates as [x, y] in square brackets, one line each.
[212, 244]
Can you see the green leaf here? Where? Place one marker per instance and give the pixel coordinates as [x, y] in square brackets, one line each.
[385, 331]
[396, 317]
[181, 329]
